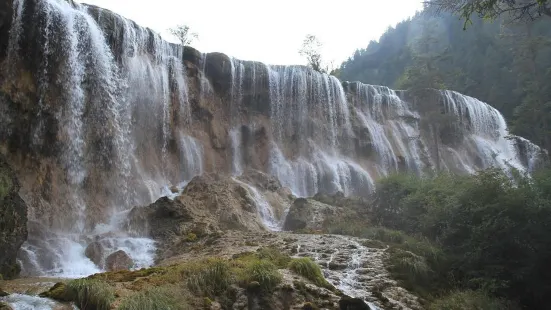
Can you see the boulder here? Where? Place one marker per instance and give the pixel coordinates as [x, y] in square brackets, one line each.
[310, 214]
[13, 221]
[209, 204]
[118, 261]
[349, 303]
[95, 252]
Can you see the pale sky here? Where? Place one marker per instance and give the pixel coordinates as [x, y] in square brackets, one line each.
[270, 31]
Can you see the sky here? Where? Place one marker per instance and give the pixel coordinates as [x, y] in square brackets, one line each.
[270, 31]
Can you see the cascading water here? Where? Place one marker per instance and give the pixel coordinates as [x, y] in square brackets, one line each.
[26, 302]
[118, 116]
[263, 207]
[117, 106]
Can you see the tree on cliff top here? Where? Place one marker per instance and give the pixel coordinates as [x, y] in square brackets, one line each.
[517, 9]
[183, 33]
[311, 50]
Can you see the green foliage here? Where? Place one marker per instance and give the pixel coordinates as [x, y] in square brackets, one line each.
[491, 9]
[469, 300]
[5, 184]
[275, 256]
[56, 292]
[307, 268]
[89, 294]
[157, 298]
[210, 278]
[264, 273]
[492, 232]
[502, 63]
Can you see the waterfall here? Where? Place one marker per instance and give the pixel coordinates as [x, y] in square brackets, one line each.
[103, 115]
[117, 107]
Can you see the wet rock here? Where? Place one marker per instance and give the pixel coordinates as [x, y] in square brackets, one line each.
[13, 221]
[95, 252]
[309, 214]
[174, 189]
[5, 306]
[336, 266]
[349, 303]
[118, 261]
[3, 294]
[209, 204]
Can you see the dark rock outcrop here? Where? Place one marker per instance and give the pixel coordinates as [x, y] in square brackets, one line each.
[349, 303]
[95, 252]
[13, 221]
[310, 214]
[118, 261]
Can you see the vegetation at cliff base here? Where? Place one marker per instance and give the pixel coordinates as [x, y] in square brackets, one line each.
[484, 237]
[87, 294]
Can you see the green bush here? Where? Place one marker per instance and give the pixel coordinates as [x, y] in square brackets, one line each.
[89, 294]
[210, 278]
[274, 255]
[263, 272]
[307, 268]
[161, 298]
[469, 300]
[5, 184]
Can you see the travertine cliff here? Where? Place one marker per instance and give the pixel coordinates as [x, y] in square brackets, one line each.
[98, 114]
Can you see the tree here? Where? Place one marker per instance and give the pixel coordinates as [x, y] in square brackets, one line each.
[423, 76]
[516, 9]
[182, 32]
[311, 50]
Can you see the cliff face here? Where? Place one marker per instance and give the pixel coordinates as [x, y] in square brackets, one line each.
[13, 221]
[98, 114]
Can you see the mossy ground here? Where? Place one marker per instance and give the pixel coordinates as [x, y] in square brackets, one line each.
[190, 284]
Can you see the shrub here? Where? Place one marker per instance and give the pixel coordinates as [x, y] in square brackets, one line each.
[470, 300]
[263, 272]
[209, 278]
[275, 256]
[307, 268]
[158, 298]
[408, 266]
[90, 294]
[5, 184]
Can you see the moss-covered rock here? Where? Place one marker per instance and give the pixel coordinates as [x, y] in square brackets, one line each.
[13, 221]
[57, 292]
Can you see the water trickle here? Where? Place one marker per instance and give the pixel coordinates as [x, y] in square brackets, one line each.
[237, 155]
[263, 207]
[28, 302]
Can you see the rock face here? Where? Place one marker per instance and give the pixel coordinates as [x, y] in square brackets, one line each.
[98, 113]
[209, 204]
[13, 221]
[310, 214]
[118, 261]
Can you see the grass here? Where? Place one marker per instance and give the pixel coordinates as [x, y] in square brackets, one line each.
[187, 284]
[275, 256]
[156, 298]
[264, 273]
[89, 294]
[209, 278]
[470, 300]
[307, 268]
